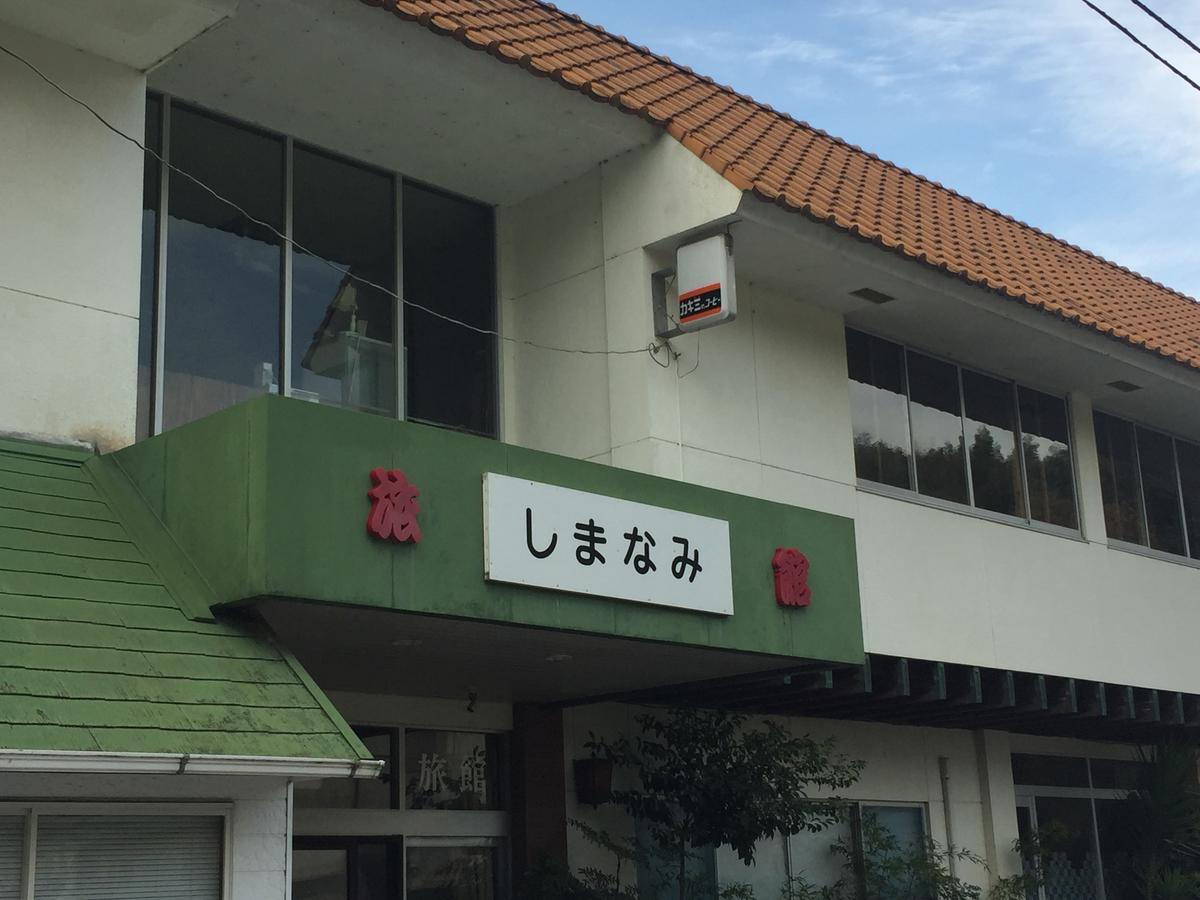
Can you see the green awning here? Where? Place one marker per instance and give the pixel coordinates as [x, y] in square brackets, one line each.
[108, 645]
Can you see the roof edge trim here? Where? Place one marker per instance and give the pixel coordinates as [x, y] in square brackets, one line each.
[84, 761]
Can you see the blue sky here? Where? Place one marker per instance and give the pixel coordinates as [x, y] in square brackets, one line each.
[1038, 108]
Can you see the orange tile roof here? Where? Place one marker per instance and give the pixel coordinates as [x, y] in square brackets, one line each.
[790, 163]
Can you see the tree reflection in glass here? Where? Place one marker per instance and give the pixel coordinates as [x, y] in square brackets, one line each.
[1046, 443]
[936, 416]
[878, 409]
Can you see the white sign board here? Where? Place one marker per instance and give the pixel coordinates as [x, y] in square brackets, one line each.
[704, 274]
[553, 537]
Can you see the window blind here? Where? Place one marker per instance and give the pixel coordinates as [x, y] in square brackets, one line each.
[12, 842]
[128, 858]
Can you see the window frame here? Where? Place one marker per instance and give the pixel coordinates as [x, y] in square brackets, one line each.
[913, 494]
[31, 811]
[1185, 559]
[154, 412]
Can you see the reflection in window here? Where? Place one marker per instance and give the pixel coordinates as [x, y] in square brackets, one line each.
[450, 873]
[1119, 480]
[1160, 491]
[1189, 482]
[905, 405]
[343, 329]
[451, 770]
[878, 409]
[992, 436]
[937, 428]
[229, 284]
[223, 269]
[448, 268]
[1046, 442]
[358, 793]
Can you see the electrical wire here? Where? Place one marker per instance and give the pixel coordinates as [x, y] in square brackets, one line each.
[1133, 37]
[1165, 24]
[649, 348]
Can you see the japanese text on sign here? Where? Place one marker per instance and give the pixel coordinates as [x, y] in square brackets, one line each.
[553, 537]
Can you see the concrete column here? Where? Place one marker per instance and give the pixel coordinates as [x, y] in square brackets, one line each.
[539, 786]
[994, 758]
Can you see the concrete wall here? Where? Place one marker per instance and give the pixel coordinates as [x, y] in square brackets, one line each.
[70, 238]
[258, 824]
[902, 766]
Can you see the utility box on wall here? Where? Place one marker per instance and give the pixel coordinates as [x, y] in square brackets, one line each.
[704, 274]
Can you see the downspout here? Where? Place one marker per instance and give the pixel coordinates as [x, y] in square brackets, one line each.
[944, 774]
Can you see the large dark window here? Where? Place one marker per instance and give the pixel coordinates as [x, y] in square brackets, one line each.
[448, 271]
[879, 409]
[314, 315]
[224, 270]
[343, 326]
[925, 425]
[935, 411]
[1151, 487]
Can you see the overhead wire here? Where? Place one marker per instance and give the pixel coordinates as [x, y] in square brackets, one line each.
[1133, 37]
[1165, 24]
[649, 348]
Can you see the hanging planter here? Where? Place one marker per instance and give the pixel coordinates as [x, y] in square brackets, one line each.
[593, 780]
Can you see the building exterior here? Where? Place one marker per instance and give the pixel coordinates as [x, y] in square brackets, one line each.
[984, 442]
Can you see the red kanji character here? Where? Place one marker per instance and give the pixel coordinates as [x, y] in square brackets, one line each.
[791, 577]
[394, 507]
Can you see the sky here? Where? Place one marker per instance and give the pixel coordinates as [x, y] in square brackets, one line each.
[1037, 108]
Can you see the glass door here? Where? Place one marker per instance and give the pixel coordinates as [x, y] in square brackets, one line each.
[452, 869]
[346, 868]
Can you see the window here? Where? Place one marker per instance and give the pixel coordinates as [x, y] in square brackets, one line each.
[1150, 483]
[436, 820]
[925, 425]
[112, 853]
[230, 310]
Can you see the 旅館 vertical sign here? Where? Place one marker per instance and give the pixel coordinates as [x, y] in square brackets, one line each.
[546, 536]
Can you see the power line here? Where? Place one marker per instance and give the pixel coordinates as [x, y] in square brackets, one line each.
[1165, 24]
[1133, 37]
[649, 348]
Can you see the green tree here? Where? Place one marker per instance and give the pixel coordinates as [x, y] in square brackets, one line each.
[703, 778]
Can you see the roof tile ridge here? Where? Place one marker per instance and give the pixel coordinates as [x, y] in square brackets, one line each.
[857, 149]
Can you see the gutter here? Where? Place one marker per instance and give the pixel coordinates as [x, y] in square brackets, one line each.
[112, 763]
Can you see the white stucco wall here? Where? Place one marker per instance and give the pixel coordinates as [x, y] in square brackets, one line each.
[258, 836]
[902, 766]
[70, 231]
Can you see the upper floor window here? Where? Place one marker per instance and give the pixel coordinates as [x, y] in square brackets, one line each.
[926, 425]
[271, 266]
[1150, 483]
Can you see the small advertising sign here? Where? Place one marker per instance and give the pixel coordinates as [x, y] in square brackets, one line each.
[705, 277]
[553, 537]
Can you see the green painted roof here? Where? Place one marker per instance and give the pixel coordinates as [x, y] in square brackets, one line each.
[106, 638]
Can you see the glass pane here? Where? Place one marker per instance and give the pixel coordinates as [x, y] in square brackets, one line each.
[1117, 774]
[353, 793]
[373, 871]
[451, 873]
[991, 421]
[319, 875]
[448, 267]
[1065, 826]
[223, 269]
[814, 859]
[1029, 863]
[658, 869]
[451, 770]
[878, 409]
[1189, 478]
[937, 428]
[146, 324]
[1049, 771]
[12, 856]
[1119, 480]
[892, 836]
[343, 337]
[1046, 439]
[1160, 490]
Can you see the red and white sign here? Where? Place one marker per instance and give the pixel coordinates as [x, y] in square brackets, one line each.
[704, 273]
